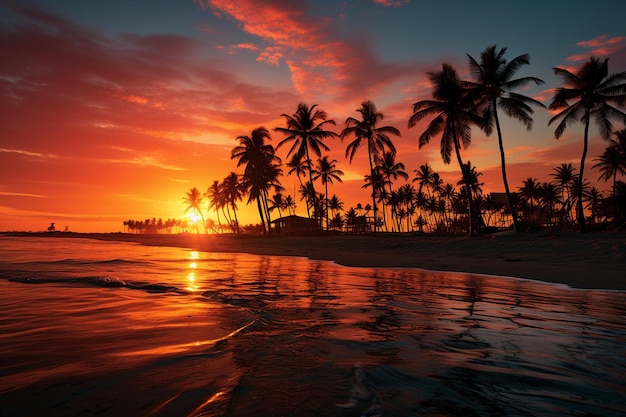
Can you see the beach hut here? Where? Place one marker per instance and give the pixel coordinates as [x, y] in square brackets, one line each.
[293, 225]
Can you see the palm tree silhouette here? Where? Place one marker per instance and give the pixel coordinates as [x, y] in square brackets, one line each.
[530, 191]
[597, 95]
[613, 161]
[366, 132]
[306, 128]
[261, 169]
[216, 200]
[193, 199]
[455, 111]
[232, 192]
[389, 169]
[326, 170]
[494, 81]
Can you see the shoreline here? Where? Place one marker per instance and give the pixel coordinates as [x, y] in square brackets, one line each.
[583, 261]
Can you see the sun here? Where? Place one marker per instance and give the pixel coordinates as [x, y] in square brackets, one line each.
[194, 218]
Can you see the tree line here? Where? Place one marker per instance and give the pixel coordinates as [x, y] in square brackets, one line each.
[588, 95]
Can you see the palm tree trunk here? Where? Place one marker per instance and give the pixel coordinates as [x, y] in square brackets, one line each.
[509, 200]
[581, 214]
[467, 185]
[258, 204]
[373, 186]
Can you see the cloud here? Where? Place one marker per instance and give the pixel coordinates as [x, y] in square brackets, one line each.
[388, 3]
[322, 64]
[602, 45]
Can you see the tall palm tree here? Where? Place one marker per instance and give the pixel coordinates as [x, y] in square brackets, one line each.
[261, 170]
[495, 82]
[376, 138]
[307, 129]
[593, 93]
[193, 199]
[454, 111]
[326, 170]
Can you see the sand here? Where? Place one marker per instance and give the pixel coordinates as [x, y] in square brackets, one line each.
[586, 261]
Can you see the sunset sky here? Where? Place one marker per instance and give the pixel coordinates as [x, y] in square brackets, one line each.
[114, 110]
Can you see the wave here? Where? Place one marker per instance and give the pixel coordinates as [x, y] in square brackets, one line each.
[105, 281]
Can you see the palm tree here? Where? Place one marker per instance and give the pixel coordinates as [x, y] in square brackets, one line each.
[232, 192]
[306, 128]
[389, 169]
[424, 176]
[565, 177]
[260, 161]
[530, 191]
[597, 95]
[367, 133]
[216, 200]
[327, 171]
[335, 204]
[193, 199]
[494, 81]
[455, 111]
[277, 202]
[613, 161]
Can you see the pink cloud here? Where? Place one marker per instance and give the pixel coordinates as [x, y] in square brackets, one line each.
[319, 60]
[388, 3]
[602, 45]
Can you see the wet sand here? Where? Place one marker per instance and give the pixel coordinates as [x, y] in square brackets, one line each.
[589, 261]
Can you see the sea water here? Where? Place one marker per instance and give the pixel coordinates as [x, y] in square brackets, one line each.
[94, 328]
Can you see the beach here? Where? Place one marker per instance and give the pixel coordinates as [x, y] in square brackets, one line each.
[586, 261]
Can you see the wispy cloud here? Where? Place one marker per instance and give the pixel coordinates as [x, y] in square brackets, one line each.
[321, 62]
[602, 45]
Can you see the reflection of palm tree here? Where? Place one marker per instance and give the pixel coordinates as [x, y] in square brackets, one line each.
[494, 80]
[366, 132]
[306, 128]
[327, 171]
[193, 199]
[598, 95]
[454, 110]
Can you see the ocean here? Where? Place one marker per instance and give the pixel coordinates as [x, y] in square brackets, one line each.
[100, 328]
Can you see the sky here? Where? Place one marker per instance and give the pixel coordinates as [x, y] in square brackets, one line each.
[114, 110]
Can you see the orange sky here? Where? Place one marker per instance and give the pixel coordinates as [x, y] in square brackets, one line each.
[115, 113]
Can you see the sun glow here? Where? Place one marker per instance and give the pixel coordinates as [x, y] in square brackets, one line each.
[194, 218]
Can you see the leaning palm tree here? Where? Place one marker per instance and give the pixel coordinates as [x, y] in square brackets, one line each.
[593, 93]
[326, 170]
[306, 128]
[455, 110]
[495, 82]
[193, 199]
[376, 138]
